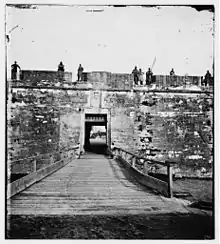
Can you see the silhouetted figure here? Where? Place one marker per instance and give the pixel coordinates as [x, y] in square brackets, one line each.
[172, 73]
[135, 73]
[60, 71]
[149, 76]
[61, 67]
[141, 78]
[79, 73]
[208, 77]
[14, 70]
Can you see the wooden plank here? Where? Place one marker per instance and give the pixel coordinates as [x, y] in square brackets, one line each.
[80, 205]
[106, 211]
[75, 194]
[85, 197]
[98, 201]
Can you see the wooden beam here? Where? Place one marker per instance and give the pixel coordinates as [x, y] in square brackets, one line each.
[170, 181]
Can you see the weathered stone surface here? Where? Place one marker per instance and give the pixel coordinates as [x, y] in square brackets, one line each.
[40, 124]
[165, 126]
[153, 124]
[34, 77]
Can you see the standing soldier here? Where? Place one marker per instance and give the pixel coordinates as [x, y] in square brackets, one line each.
[141, 78]
[208, 77]
[61, 67]
[14, 69]
[172, 73]
[80, 72]
[149, 75]
[61, 71]
[172, 79]
[135, 73]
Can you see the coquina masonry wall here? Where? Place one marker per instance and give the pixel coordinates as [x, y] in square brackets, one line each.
[45, 124]
[43, 127]
[165, 125]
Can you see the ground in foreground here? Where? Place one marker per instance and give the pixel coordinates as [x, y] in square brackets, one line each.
[166, 226]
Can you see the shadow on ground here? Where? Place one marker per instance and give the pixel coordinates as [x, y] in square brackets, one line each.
[163, 226]
[96, 146]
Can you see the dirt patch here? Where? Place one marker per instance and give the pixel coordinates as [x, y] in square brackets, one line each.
[167, 226]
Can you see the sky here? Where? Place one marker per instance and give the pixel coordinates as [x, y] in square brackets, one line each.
[114, 39]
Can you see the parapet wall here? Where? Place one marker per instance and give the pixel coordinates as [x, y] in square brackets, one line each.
[176, 81]
[95, 80]
[109, 80]
[103, 80]
[34, 77]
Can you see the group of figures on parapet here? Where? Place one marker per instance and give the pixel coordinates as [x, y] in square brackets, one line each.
[139, 78]
[79, 71]
[137, 74]
[15, 74]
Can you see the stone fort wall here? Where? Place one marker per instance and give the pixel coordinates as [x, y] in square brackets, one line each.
[44, 124]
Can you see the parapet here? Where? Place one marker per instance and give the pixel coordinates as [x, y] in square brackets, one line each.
[103, 80]
[35, 77]
[109, 80]
[95, 80]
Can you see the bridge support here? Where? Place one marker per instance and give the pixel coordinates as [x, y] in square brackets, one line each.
[170, 165]
[133, 162]
[108, 131]
[35, 165]
[170, 180]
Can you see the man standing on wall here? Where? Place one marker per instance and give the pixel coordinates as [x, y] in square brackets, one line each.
[172, 73]
[14, 69]
[79, 73]
[208, 77]
[172, 78]
[141, 78]
[61, 71]
[149, 76]
[135, 73]
[61, 67]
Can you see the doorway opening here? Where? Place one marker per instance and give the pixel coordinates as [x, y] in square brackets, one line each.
[95, 133]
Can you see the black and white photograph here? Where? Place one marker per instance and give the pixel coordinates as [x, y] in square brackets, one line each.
[110, 121]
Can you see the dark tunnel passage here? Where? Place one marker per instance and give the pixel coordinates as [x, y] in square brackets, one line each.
[96, 134]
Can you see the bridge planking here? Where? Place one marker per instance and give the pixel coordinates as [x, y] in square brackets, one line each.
[92, 184]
